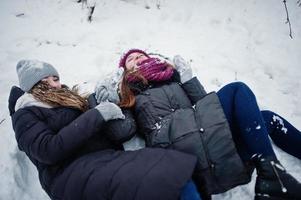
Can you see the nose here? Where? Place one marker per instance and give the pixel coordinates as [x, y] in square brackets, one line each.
[139, 56]
[59, 85]
[55, 84]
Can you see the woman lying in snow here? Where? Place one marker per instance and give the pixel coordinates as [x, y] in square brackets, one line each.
[226, 130]
[78, 151]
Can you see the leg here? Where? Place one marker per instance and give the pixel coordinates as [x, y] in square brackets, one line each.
[189, 192]
[245, 120]
[248, 128]
[283, 134]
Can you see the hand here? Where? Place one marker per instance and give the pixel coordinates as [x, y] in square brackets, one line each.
[102, 94]
[107, 89]
[109, 111]
[183, 68]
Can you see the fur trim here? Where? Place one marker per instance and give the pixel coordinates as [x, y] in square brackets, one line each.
[27, 100]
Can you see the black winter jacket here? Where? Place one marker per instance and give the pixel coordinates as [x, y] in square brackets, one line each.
[78, 156]
[184, 117]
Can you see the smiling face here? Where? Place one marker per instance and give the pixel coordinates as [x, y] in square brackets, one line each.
[134, 59]
[53, 81]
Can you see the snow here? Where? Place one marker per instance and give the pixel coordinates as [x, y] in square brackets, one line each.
[279, 121]
[225, 41]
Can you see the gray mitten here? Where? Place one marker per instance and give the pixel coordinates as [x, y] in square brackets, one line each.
[183, 68]
[109, 111]
[103, 93]
[106, 90]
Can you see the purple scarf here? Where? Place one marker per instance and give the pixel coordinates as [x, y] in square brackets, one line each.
[153, 69]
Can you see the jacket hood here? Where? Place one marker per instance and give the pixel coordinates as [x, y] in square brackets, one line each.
[19, 99]
[15, 94]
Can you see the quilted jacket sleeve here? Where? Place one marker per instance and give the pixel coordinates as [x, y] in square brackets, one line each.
[194, 90]
[39, 142]
[121, 130]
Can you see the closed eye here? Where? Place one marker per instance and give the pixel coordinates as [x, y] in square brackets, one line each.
[141, 55]
[130, 59]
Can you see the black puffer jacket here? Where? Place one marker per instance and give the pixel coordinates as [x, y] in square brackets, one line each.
[183, 117]
[78, 156]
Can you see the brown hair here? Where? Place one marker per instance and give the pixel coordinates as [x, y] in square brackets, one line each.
[127, 96]
[59, 97]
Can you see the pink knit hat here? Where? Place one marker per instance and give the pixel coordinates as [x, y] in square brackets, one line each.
[124, 57]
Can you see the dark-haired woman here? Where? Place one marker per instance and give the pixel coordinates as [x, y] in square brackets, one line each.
[225, 130]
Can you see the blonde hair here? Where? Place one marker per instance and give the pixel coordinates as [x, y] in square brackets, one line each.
[55, 97]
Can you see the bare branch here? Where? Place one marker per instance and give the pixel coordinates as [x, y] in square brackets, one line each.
[82, 1]
[288, 19]
[2, 121]
[91, 11]
[158, 5]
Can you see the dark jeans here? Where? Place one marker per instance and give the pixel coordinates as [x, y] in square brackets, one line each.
[251, 127]
[189, 192]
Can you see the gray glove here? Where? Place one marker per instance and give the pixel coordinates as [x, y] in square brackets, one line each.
[183, 68]
[103, 93]
[106, 90]
[109, 111]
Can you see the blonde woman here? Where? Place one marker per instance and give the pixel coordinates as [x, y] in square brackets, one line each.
[78, 151]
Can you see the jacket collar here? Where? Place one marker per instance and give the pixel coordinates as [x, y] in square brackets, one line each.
[27, 100]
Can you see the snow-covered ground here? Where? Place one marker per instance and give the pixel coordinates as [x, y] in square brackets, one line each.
[229, 40]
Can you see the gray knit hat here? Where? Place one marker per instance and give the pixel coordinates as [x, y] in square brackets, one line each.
[31, 72]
